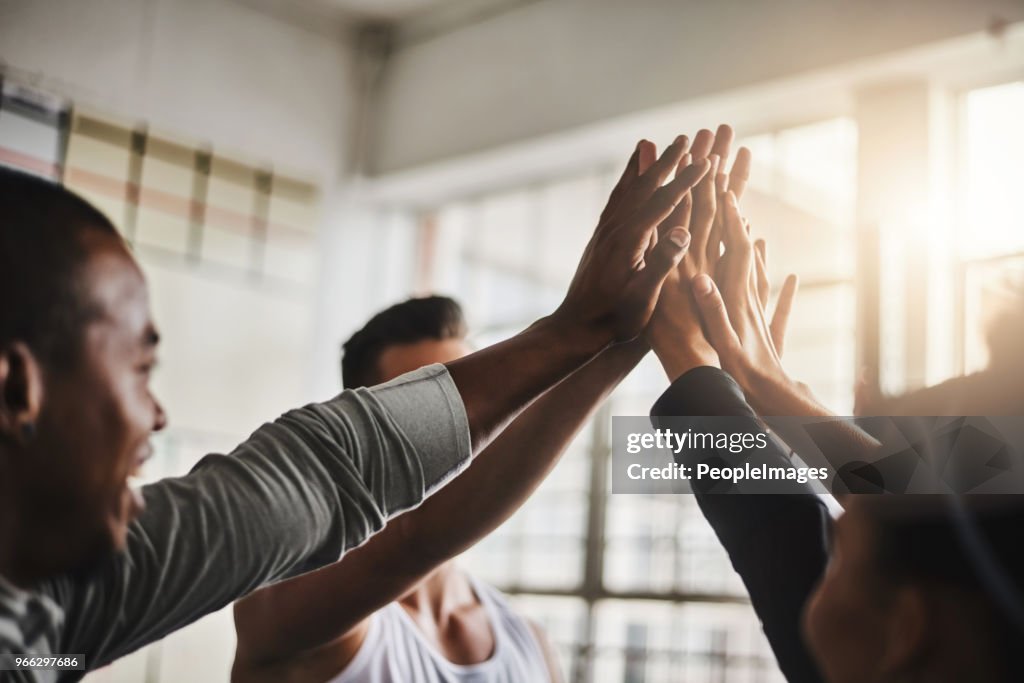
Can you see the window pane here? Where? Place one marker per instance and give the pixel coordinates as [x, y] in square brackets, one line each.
[994, 143]
[542, 544]
[563, 621]
[568, 213]
[989, 288]
[28, 143]
[657, 642]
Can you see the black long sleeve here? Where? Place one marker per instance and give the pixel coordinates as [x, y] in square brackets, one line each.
[777, 543]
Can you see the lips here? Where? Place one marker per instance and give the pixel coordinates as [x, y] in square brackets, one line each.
[144, 455]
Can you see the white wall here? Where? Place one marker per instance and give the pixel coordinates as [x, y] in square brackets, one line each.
[223, 72]
[555, 65]
[217, 71]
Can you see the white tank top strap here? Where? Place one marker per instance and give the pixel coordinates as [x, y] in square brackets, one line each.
[396, 651]
[510, 628]
[357, 668]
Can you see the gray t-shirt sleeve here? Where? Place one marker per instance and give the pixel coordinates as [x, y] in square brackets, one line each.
[297, 494]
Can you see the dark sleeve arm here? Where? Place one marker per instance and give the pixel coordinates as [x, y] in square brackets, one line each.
[777, 543]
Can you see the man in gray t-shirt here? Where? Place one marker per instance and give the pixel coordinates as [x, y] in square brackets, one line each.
[89, 567]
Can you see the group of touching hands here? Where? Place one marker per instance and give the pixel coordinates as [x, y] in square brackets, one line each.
[672, 259]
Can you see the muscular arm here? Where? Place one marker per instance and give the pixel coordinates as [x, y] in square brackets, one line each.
[297, 494]
[303, 613]
[524, 367]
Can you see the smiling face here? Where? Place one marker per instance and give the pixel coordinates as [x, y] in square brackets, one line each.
[94, 421]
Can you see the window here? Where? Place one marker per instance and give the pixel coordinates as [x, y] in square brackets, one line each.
[32, 130]
[989, 241]
[637, 587]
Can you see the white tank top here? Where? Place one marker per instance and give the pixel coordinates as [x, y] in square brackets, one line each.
[396, 651]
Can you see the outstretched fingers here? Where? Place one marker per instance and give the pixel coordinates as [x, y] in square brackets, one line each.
[783, 309]
[761, 282]
[723, 143]
[715, 316]
[740, 173]
[734, 233]
[703, 141]
[680, 215]
[664, 201]
[648, 183]
[645, 287]
[643, 156]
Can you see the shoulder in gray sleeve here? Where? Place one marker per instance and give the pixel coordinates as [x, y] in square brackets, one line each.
[432, 416]
[296, 494]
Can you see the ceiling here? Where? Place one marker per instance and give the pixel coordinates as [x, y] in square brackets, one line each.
[377, 10]
[413, 19]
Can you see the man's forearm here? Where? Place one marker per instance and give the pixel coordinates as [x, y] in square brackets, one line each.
[518, 460]
[306, 612]
[498, 382]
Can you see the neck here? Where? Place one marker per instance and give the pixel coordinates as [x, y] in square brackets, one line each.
[443, 591]
[28, 551]
[8, 525]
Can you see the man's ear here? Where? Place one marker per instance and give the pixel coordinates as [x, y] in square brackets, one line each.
[21, 392]
[907, 630]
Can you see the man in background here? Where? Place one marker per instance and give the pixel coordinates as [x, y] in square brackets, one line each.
[443, 625]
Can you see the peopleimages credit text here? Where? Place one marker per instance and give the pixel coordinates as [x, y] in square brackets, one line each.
[973, 454]
[747, 472]
[733, 442]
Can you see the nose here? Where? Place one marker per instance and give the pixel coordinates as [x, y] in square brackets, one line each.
[159, 417]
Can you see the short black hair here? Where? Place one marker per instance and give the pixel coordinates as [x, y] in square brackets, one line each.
[413, 320]
[41, 255]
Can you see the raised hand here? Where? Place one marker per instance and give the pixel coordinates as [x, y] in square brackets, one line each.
[675, 331]
[634, 248]
[784, 306]
[733, 312]
[610, 299]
